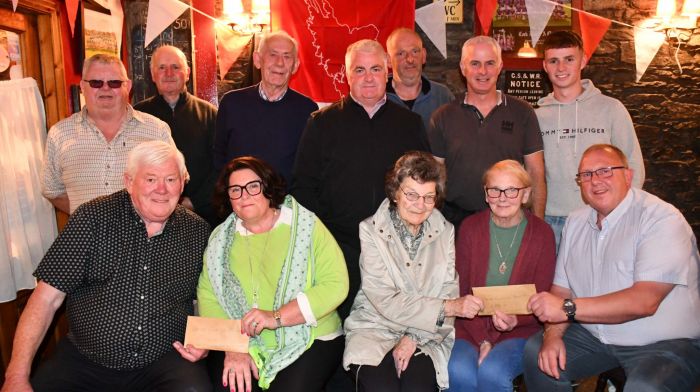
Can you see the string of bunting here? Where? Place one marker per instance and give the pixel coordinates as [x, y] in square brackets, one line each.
[161, 13]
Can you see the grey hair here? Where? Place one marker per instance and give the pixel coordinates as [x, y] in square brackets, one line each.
[482, 39]
[422, 167]
[365, 46]
[104, 59]
[155, 152]
[278, 34]
[177, 51]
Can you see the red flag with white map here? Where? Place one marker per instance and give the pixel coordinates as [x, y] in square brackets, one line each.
[325, 28]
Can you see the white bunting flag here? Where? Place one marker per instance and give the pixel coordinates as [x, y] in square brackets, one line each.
[538, 13]
[431, 19]
[646, 44]
[161, 14]
[14, 5]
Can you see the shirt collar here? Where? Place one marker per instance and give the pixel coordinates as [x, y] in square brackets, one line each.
[501, 98]
[614, 215]
[130, 114]
[264, 96]
[374, 108]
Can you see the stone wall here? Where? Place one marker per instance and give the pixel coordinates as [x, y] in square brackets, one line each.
[664, 105]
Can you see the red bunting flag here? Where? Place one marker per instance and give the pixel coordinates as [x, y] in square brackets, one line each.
[593, 28]
[485, 10]
[325, 28]
[72, 8]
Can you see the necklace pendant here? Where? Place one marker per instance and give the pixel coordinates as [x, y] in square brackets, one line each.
[502, 268]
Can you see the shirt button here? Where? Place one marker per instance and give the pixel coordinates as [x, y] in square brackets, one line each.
[106, 183]
[139, 327]
[408, 264]
[145, 267]
[142, 297]
[136, 354]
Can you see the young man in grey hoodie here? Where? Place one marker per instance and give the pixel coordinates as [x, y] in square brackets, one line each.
[573, 117]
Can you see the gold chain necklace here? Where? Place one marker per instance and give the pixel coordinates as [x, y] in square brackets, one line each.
[502, 268]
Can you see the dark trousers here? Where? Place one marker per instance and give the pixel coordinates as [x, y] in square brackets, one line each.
[668, 365]
[309, 373]
[419, 376]
[69, 370]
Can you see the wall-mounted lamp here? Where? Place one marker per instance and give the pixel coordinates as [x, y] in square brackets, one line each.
[677, 27]
[247, 16]
[527, 51]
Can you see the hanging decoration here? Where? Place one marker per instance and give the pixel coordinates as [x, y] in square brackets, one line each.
[14, 5]
[161, 14]
[538, 13]
[646, 44]
[593, 29]
[72, 8]
[230, 45]
[431, 19]
[485, 10]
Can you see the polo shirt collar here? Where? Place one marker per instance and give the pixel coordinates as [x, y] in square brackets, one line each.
[375, 108]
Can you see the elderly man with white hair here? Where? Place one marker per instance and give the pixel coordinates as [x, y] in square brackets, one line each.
[347, 148]
[265, 120]
[485, 127]
[127, 266]
[192, 122]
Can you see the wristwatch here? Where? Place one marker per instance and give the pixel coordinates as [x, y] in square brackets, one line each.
[569, 308]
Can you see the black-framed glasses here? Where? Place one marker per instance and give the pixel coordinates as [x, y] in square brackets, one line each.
[110, 83]
[413, 196]
[510, 193]
[253, 188]
[603, 172]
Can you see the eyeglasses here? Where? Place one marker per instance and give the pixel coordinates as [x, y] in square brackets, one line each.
[603, 172]
[110, 83]
[510, 193]
[253, 188]
[413, 196]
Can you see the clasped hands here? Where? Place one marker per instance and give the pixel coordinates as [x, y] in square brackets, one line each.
[469, 307]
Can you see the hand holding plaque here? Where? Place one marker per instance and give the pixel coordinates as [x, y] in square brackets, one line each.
[510, 299]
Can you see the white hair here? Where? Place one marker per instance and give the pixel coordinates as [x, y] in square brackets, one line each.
[482, 39]
[155, 152]
[277, 34]
[365, 46]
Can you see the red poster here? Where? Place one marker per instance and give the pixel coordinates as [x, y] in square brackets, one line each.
[325, 28]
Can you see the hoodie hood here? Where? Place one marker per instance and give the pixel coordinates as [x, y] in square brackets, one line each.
[589, 91]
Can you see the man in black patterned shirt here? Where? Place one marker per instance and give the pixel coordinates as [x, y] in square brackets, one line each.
[127, 265]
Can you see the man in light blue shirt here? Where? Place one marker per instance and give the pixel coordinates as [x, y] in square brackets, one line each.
[625, 291]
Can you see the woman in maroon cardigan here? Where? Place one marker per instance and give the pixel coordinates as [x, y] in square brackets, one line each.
[505, 245]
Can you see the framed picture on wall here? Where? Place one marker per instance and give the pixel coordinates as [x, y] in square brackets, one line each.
[98, 35]
[510, 26]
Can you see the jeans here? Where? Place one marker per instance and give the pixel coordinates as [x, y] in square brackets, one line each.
[557, 225]
[668, 365]
[496, 373]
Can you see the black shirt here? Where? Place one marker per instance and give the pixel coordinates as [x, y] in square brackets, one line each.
[127, 296]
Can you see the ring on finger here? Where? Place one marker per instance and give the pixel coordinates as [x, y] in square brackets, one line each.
[254, 324]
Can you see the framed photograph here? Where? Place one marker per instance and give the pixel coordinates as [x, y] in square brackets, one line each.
[97, 33]
[511, 28]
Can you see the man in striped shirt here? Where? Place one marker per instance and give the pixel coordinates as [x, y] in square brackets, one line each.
[86, 153]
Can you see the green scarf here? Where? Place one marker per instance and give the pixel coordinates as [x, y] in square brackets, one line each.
[297, 275]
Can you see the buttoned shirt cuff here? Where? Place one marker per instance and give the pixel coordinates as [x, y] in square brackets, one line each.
[305, 307]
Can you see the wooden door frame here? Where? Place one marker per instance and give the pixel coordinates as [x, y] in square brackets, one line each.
[48, 70]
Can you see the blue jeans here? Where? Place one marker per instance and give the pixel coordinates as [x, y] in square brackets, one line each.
[557, 225]
[668, 365]
[496, 373]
